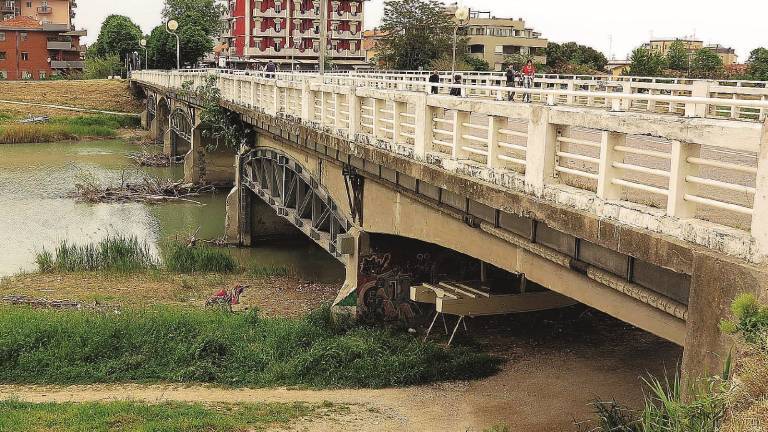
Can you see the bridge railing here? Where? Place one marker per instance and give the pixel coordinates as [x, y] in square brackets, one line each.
[640, 169]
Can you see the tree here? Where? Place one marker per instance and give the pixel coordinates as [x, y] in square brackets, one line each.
[477, 64]
[572, 56]
[102, 67]
[199, 21]
[706, 64]
[416, 33]
[757, 65]
[118, 36]
[645, 62]
[678, 56]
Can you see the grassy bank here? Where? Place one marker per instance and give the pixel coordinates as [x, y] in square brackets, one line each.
[166, 417]
[105, 95]
[182, 346]
[65, 128]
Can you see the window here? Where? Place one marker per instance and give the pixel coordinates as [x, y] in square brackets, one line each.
[2, 55]
[25, 56]
[2, 36]
[43, 75]
[26, 75]
[29, 4]
[278, 27]
[24, 36]
[476, 49]
[3, 75]
[277, 46]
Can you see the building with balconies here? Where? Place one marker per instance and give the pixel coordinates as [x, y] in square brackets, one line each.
[44, 11]
[287, 32]
[31, 50]
[495, 40]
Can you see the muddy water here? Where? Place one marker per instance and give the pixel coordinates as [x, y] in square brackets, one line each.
[35, 212]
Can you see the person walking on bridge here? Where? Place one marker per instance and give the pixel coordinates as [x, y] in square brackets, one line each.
[435, 78]
[511, 76]
[456, 90]
[271, 69]
[529, 72]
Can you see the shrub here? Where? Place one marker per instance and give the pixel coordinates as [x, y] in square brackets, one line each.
[198, 259]
[750, 320]
[114, 253]
[181, 345]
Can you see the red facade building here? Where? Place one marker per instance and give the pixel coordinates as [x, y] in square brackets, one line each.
[288, 32]
[30, 50]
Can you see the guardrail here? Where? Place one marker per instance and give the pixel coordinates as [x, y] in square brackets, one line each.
[720, 176]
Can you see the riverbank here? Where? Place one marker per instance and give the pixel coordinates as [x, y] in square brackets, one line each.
[73, 128]
[103, 95]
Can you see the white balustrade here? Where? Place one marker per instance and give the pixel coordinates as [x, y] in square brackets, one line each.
[684, 179]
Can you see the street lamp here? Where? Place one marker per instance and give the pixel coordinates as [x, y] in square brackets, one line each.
[462, 15]
[171, 27]
[143, 44]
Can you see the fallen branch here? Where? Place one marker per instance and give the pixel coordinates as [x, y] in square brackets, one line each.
[149, 191]
[154, 159]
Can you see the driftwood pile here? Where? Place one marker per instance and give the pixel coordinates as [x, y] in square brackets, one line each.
[20, 300]
[148, 191]
[154, 159]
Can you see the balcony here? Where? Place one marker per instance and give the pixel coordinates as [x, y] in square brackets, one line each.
[270, 32]
[345, 34]
[60, 64]
[56, 45]
[44, 10]
[346, 16]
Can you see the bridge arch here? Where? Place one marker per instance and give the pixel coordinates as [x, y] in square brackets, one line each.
[294, 194]
[181, 132]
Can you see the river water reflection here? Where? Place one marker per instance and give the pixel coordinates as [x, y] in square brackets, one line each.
[35, 212]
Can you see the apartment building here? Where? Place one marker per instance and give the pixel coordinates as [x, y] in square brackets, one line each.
[662, 46]
[38, 39]
[31, 50]
[44, 11]
[287, 32]
[495, 39]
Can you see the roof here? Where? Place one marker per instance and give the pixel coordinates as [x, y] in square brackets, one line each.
[21, 23]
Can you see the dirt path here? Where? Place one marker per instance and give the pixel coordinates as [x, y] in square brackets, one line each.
[547, 382]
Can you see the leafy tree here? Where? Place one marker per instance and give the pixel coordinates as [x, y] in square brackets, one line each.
[572, 55]
[118, 36]
[102, 67]
[706, 64]
[477, 64]
[757, 65]
[199, 21]
[645, 62]
[678, 56]
[416, 33]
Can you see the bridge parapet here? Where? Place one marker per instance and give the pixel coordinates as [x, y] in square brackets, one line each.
[666, 161]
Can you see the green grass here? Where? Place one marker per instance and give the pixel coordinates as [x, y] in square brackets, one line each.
[65, 128]
[208, 346]
[114, 253]
[263, 271]
[180, 258]
[135, 417]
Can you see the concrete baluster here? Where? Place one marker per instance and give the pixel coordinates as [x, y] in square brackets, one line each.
[494, 124]
[700, 89]
[424, 125]
[354, 105]
[307, 101]
[606, 173]
[760, 208]
[337, 119]
[678, 186]
[540, 154]
[397, 120]
[378, 106]
[275, 98]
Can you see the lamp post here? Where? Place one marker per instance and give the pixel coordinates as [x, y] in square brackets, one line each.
[462, 14]
[143, 44]
[171, 27]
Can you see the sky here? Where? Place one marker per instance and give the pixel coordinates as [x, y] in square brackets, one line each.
[610, 27]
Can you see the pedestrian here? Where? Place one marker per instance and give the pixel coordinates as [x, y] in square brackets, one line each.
[529, 72]
[271, 69]
[435, 78]
[456, 90]
[511, 76]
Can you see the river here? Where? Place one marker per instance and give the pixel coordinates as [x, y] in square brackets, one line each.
[35, 212]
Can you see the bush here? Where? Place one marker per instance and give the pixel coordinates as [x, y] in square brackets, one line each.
[750, 320]
[177, 345]
[114, 253]
[198, 259]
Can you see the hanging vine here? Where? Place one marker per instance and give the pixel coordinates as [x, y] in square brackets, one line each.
[225, 128]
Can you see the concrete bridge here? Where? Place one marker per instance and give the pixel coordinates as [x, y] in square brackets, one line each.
[648, 201]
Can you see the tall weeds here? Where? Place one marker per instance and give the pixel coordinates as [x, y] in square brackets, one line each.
[114, 253]
[180, 258]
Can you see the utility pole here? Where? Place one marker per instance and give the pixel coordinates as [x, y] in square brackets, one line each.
[323, 34]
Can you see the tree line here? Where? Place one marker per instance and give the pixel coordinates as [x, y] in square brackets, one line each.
[199, 23]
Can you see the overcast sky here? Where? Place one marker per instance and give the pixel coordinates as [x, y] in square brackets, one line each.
[740, 24]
